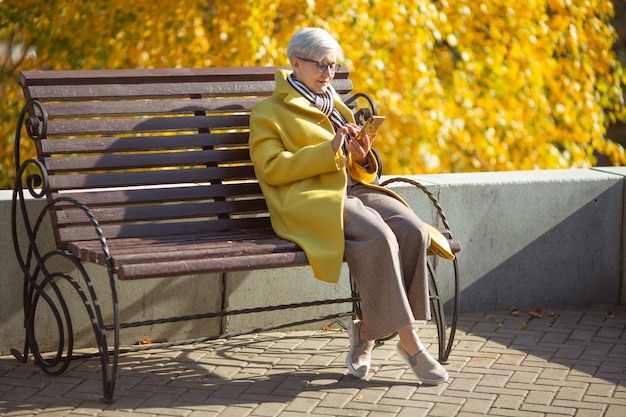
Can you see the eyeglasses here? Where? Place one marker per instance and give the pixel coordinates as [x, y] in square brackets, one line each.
[332, 67]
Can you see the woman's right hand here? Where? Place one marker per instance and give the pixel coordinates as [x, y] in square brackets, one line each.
[348, 129]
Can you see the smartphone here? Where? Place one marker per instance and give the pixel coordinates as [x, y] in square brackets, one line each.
[371, 126]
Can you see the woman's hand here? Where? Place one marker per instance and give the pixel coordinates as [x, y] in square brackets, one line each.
[357, 148]
[360, 148]
[349, 129]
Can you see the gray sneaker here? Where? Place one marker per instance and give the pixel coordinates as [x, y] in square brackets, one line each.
[424, 366]
[359, 356]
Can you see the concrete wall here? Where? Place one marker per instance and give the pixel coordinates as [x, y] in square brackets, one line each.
[530, 239]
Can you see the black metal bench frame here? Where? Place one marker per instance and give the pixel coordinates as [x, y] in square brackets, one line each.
[39, 282]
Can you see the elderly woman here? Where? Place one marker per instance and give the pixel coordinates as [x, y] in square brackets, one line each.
[316, 178]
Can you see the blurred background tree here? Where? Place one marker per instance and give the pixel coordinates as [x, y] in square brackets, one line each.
[617, 130]
[466, 85]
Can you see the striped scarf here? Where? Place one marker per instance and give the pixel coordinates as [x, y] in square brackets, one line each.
[324, 102]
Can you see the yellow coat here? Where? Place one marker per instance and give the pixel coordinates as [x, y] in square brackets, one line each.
[302, 178]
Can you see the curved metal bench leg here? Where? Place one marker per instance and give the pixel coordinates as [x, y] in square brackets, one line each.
[446, 338]
[438, 313]
[455, 310]
[444, 348]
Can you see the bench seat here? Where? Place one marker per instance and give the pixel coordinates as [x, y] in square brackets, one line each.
[198, 253]
[188, 254]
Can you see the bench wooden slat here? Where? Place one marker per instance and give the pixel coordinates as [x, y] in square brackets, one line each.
[134, 250]
[216, 238]
[161, 90]
[211, 265]
[151, 90]
[164, 194]
[149, 107]
[117, 231]
[141, 125]
[202, 210]
[152, 160]
[142, 143]
[153, 75]
[173, 176]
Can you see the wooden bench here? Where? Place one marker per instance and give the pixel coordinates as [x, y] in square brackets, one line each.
[147, 173]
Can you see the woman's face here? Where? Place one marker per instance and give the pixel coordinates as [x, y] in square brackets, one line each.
[307, 72]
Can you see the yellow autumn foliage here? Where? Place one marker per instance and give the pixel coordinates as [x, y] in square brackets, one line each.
[466, 85]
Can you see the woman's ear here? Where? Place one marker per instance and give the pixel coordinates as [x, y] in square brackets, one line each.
[295, 63]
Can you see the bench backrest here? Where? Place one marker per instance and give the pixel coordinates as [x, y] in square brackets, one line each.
[152, 152]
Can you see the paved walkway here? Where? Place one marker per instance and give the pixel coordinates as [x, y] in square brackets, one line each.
[569, 362]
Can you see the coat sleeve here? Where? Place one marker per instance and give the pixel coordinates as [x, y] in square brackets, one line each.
[360, 174]
[276, 164]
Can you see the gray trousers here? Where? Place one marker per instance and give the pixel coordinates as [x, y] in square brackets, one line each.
[386, 249]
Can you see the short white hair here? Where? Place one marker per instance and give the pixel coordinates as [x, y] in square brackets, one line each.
[312, 43]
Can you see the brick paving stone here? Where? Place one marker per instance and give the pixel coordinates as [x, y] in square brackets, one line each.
[552, 409]
[578, 404]
[558, 374]
[371, 395]
[444, 410]
[525, 376]
[601, 389]
[539, 397]
[482, 362]
[478, 406]
[555, 337]
[508, 401]
[334, 412]
[465, 396]
[605, 400]
[408, 403]
[573, 394]
[303, 405]
[337, 400]
[510, 359]
[468, 414]
[400, 392]
[589, 413]
[498, 381]
[413, 412]
[373, 408]
[268, 409]
[616, 411]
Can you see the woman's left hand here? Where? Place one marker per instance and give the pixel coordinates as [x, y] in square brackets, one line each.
[360, 148]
